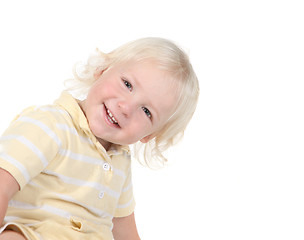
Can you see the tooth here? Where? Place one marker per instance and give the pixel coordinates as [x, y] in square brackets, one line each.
[111, 117]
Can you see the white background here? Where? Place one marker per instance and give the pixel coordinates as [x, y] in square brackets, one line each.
[238, 173]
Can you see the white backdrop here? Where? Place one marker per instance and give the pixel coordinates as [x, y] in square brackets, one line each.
[238, 173]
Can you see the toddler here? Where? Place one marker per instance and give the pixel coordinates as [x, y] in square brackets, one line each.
[65, 169]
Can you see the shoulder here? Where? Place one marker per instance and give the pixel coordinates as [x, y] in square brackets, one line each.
[41, 116]
[46, 112]
[41, 121]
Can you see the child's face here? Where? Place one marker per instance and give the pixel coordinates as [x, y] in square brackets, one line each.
[129, 102]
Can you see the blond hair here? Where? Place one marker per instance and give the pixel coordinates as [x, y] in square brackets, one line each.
[170, 58]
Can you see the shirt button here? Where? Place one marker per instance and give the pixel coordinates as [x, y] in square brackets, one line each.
[101, 194]
[106, 166]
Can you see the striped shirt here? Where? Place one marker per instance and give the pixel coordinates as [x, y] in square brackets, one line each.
[71, 187]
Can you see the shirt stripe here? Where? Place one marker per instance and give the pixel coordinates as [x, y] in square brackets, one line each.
[17, 164]
[44, 127]
[28, 144]
[81, 183]
[80, 157]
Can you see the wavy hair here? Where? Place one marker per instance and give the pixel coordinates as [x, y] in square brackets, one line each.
[170, 58]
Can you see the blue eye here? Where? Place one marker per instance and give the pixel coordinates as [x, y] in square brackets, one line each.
[147, 112]
[128, 85]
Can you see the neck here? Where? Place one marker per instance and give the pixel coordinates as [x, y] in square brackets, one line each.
[105, 144]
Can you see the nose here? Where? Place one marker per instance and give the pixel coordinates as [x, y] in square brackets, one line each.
[126, 108]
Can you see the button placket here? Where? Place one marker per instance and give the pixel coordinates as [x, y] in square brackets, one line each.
[101, 194]
[108, 172]
[106, 166]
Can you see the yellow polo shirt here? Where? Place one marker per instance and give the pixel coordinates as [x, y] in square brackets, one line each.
[71, 187]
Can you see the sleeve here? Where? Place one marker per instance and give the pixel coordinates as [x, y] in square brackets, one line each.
[126, 202]
[28, 145]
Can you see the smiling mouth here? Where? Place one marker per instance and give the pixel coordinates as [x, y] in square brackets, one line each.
[111, 118]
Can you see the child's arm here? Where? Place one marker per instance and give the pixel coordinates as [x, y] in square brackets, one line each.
[125, 228]
[8, 187]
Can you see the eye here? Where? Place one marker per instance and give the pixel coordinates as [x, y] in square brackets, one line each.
[147, 112]
[128, 85]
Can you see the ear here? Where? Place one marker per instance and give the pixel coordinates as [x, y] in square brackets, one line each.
[147, 138]
[98, 72]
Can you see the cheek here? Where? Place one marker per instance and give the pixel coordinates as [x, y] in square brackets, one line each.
[144, 128]
[93, 93]
[111, 88]
[101, 83]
